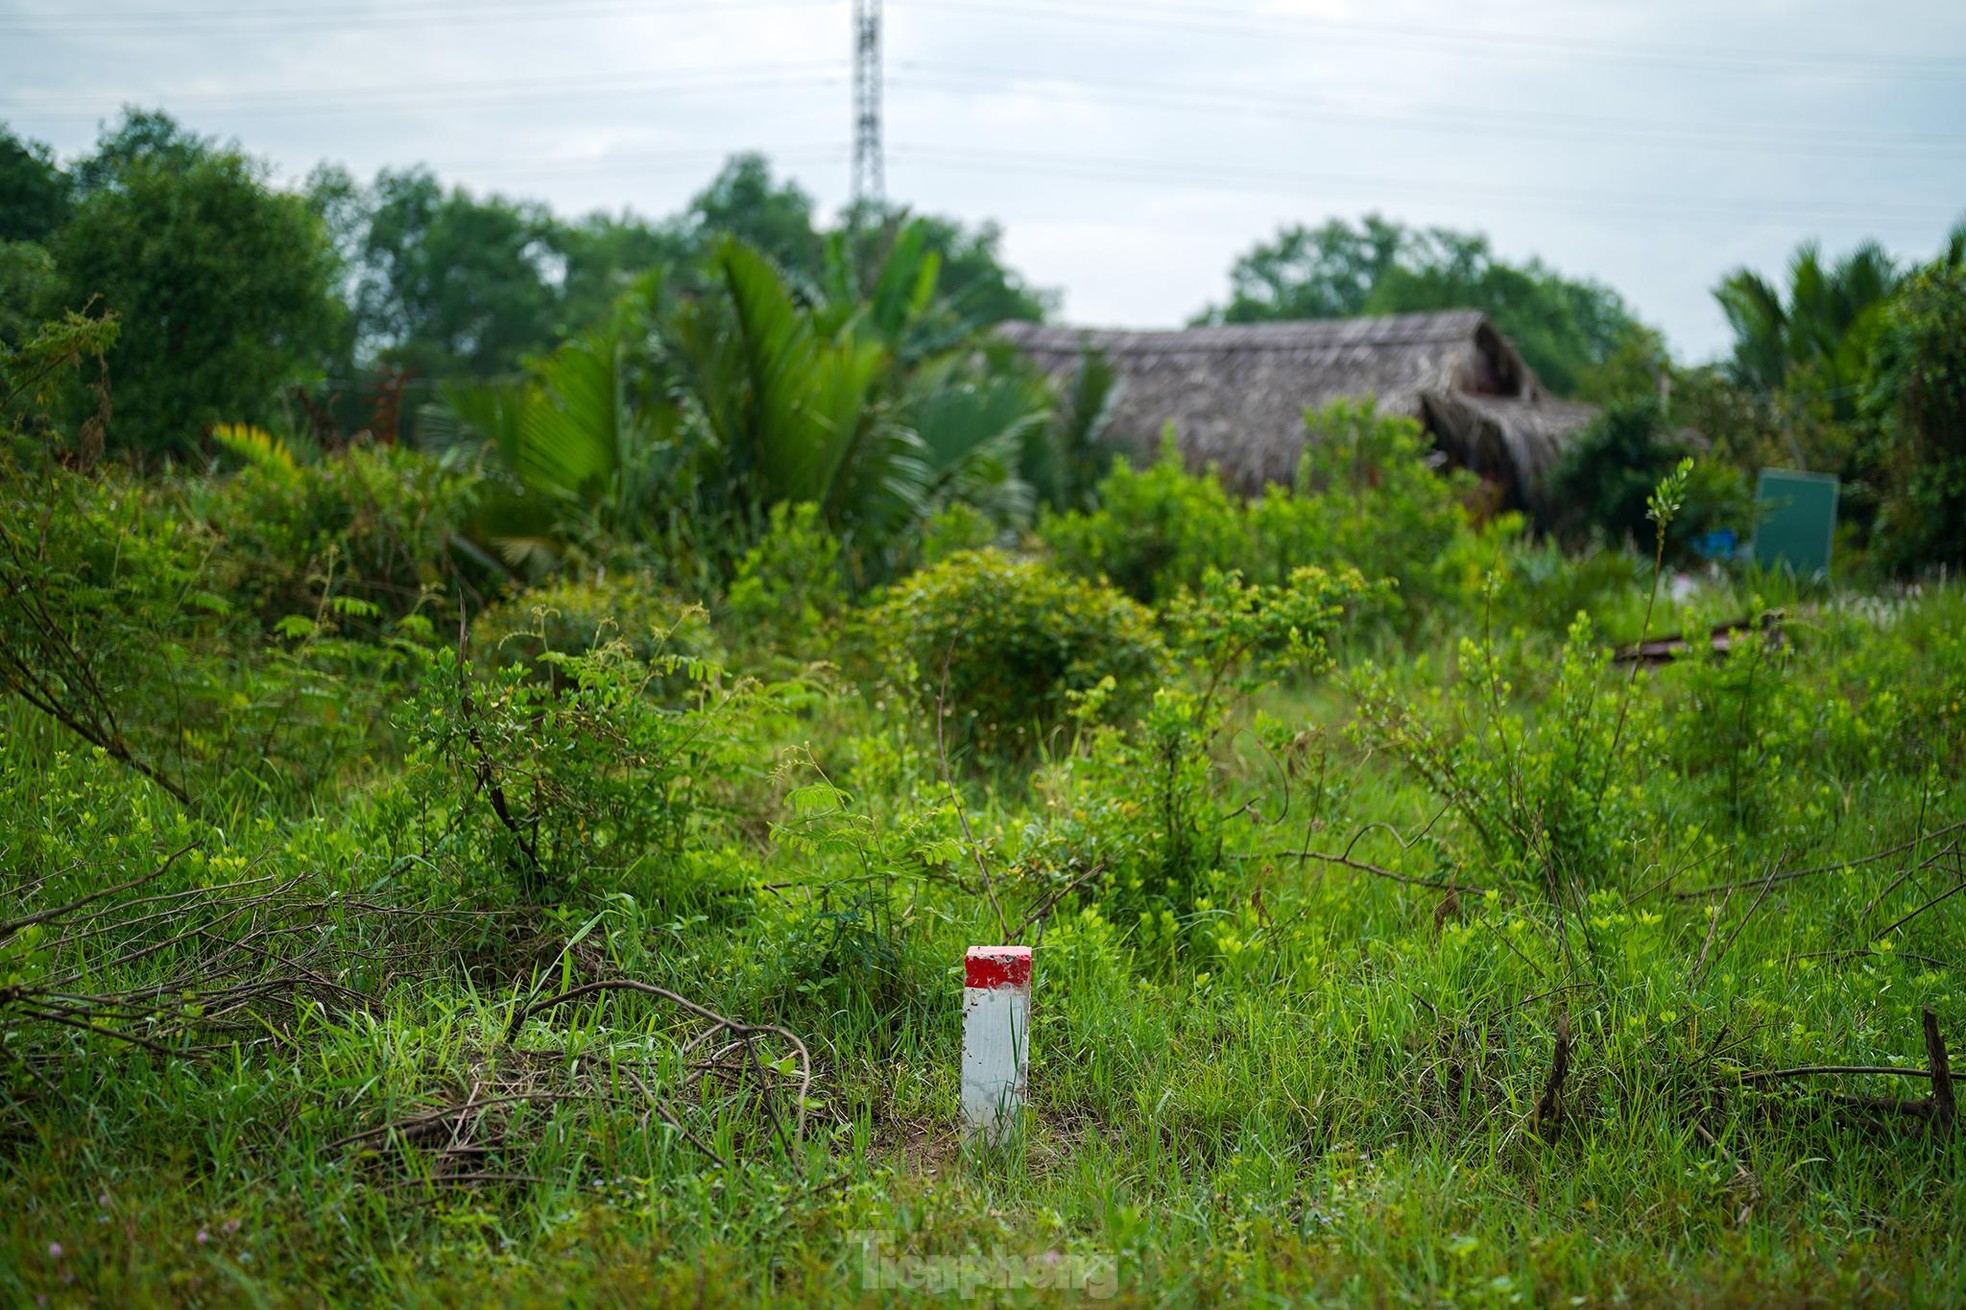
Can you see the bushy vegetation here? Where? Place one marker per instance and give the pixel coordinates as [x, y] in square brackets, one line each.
[519, 848]
[587, 950]
[1001, 649]
[1363, 497]
[1601, 484]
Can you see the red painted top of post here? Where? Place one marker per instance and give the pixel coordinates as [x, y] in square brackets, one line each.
[997, 966]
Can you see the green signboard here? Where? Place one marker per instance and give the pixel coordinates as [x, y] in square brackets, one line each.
[1797, 521]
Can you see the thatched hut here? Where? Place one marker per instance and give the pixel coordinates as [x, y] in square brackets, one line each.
[1236, 393]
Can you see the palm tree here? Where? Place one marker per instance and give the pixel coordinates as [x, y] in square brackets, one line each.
[1812, 337]
[685, 420]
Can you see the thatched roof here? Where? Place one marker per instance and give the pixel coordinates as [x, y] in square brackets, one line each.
[1236, 393]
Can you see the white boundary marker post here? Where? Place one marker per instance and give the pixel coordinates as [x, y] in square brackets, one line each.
[996, 1037]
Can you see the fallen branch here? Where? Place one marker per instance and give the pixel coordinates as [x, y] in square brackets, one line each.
[1814, 1070]
[1940, 1109]
[744, 1032]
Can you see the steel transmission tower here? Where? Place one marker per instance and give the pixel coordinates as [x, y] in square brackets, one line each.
[869, 182]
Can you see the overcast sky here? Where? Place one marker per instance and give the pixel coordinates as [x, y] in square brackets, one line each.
[1129, 148]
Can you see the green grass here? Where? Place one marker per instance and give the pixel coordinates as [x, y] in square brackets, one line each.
[1318, 1087]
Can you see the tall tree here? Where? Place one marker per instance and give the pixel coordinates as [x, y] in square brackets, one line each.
[452, 285]
[1323, 272]
[224, 285]
[34, 192]
[774, 219]
[1915, 396]
[1809, 336]
[1565, 328]
[604, 254]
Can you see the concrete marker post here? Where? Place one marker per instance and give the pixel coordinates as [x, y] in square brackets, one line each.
[996, 1038]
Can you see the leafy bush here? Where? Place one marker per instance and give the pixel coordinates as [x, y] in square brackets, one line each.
[115, 622]
[1156, 530]
[1546, 795]
[1917, 398]
[1364, 498]
[371, 523]
[1146, 805]
[1604, 478]
[1004, 645]
[788, 585]
[593, 787]
[537, 630]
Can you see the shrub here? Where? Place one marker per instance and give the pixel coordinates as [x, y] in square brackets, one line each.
[1364, 497]
[1155, 532]
[114, 621]
[1917, 399]
[595, 786]
[788, 585]
[1545, 792]
[372, 523]
[538, 629]
[1604, 478]
[1147, 806]
[1004, 645]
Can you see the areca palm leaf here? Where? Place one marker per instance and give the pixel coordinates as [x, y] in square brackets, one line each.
[905, 290]
[973, 436]
[778, 355]
[810, 415]
[858, 447]
[1754, 310]
[575, 426]
[1864, 279]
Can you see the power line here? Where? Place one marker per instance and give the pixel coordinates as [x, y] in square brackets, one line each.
[1180, 16]
[402, 95]
[188, 22]
[939, 76]
[1644, 204]
[1198, 18]
[810, 152]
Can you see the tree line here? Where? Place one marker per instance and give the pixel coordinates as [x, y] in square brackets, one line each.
[339, 306]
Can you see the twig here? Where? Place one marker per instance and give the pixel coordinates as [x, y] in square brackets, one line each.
[1549, 1108]
[669, 1117]
[1736, 932]
[1038, 915]
[1815, 1070]
[1790, 875]
[1950, 892]
[742, 1031]
[1411, 880]
[9, 929]
[448, 1112]
[1713, 925]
